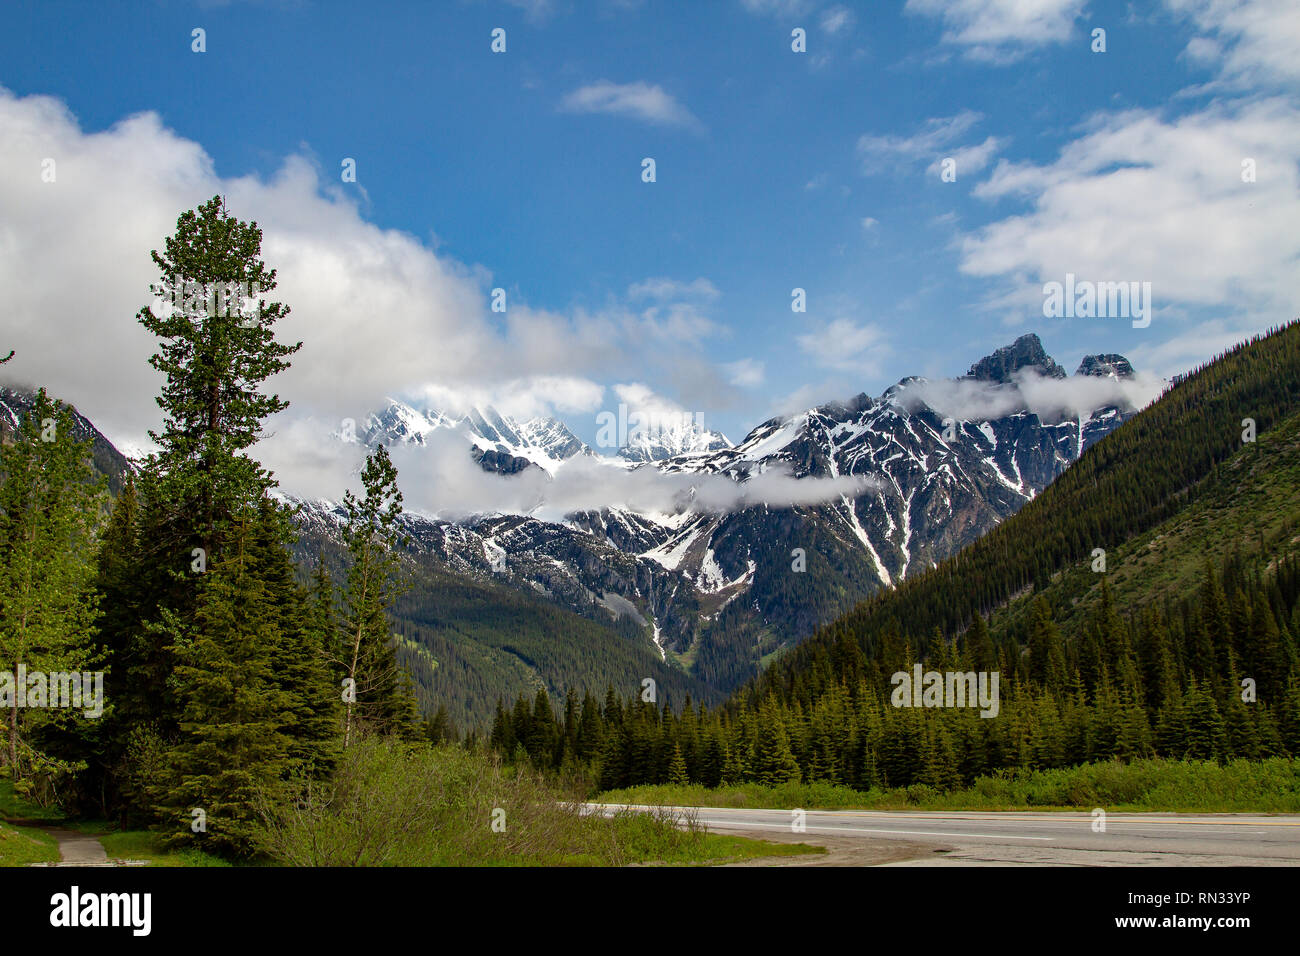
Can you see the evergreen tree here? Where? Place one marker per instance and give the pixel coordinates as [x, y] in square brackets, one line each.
[300, 661]
[215, 360]
[234, 745]
[216, 351]
[1206, 738]
[938, 762]
[380, 698]
[772, 762]
[49, 510]
[542, 737]
[1046, 656]
[677, 767]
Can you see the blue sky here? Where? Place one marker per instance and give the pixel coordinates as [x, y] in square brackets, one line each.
[774, 170]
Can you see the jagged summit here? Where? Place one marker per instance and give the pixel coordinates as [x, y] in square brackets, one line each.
[498, 442]
[1108, 365]
[1025, 352]
[670, 439]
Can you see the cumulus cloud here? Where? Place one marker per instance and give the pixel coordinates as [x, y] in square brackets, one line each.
[1252, 42]
[380, 312]
[1001, 30]
[1052, 399]
[638, 100]
[1142, 198]
[521, 399]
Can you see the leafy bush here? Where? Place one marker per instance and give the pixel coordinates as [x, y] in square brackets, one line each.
[398, 804]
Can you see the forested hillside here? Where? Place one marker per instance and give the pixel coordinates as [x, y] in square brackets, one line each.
[1127, 483]
[468, 641]
[1179, 641]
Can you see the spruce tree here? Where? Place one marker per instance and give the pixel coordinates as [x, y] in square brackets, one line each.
[234, 747]
[1206, 738]
[215, 361]
[677, 767]
[300, 659]
[216, 352]
[380, 698]
[1046, 656]
[772, 761]
[50, 506]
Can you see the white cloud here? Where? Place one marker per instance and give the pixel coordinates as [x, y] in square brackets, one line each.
[1256, 41]
[521, 399]
[745, 373]
[936, 133]
[835, 19]
[869, 222]
[847, 346]
[640, 398]
[663, 289]
[380, 313]
[638, 100]
[935, 140]
[1050, 398]
[1001, 30]
[1141, 198]
[441, 479]
[969, 160]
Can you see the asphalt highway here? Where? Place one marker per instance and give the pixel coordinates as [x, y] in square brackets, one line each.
[859, 837]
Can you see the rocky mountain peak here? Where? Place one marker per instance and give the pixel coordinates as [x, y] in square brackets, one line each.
[1025, 352]
[1108, 365]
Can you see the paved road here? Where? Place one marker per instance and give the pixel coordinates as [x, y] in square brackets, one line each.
[858, 837]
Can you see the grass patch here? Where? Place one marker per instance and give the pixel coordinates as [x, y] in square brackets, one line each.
[392, 804]
[144, 845]
[22, 846]
[15, 807]
[1153, 785]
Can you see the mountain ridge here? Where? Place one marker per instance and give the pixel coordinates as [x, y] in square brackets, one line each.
[719, 591]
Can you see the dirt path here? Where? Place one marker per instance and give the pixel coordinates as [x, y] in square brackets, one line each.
[77, 849]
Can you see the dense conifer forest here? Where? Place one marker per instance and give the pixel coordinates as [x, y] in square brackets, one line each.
[1191, 654]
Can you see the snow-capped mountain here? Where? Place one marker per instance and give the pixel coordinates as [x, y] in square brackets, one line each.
[498, 442]
[718, 591]
[721, 590]
[671, 438]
